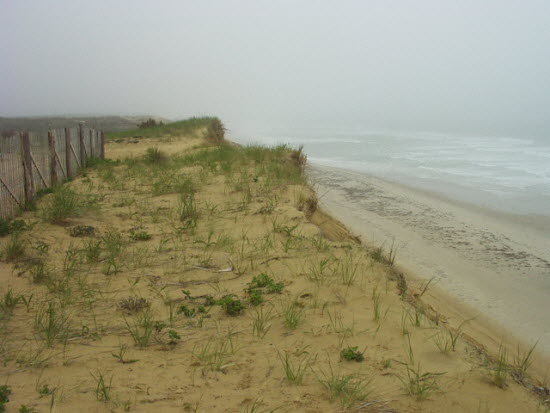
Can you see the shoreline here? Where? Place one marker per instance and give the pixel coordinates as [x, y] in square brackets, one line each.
[480, 258]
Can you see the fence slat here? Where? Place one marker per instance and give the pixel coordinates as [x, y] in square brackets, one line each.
[68, 148]
[82, 146]
[39, 171]
[53, 158]
[27, 166]
[91, 150]
[102, 145]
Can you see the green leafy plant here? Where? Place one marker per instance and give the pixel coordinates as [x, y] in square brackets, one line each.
[140, 235]
[352, 354]
[232, 306]
[5, 392]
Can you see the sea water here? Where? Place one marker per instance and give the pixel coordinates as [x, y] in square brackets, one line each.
[511, 174]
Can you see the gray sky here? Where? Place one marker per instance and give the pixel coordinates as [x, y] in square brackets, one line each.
[463, 66]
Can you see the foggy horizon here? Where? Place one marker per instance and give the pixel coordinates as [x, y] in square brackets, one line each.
[425, 66]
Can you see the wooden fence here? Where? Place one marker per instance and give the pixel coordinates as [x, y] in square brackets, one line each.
[30, 162]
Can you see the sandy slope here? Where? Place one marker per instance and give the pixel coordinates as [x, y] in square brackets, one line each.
[498, 264]
[250, 222]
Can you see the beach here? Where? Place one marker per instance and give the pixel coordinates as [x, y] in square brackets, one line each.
[497, 264]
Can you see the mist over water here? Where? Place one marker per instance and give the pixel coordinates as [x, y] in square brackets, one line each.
[505, 173]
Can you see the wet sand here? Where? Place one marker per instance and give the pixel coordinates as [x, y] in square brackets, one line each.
[497, 264]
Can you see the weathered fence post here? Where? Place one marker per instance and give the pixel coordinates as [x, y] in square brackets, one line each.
[102, 145]
[27, 166]
[91, 154]
[68, 161]
[53, 163]
[82, 146]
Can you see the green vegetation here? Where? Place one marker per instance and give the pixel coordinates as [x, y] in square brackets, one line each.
[64, 203]
[352, 354]
[5, 392]
[232, 306]
[179, 128]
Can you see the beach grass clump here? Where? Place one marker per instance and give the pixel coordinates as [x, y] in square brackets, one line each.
[65, 203]
[523, 361]
[8, 302]
[155, 156]
[418, 384]
[14, 249]
[501, 369]
[103, 386]
[293, 314]
[294, 368]
[348, 389]
[51, 323]
[261, 322]
[141, 328]
[187, 211]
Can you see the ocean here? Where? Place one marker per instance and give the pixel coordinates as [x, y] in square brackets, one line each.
[510, 174]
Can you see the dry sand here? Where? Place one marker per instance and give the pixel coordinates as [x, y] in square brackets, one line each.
[498, 264]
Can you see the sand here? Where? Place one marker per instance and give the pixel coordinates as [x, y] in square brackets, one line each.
[334, 294]
[496, 263]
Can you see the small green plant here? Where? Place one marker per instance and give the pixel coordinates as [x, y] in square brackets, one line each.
[265, 283]
[187, 211]
[103, 386]
[44, 390]
[91, 251]
[501, 368]
[261, 322]
[9, 227]
[214, 354]
[51, 323]
[255, 297]
[294, 370]
[173, 337]
[5, 392]
[26, 409]
[352, 354]
[293, 314]
[187, 312]
[523, 361]
[232, 306]
[349, 389]
[141, 328]
[14, 249]
[9, 301]
[82, 231]
[120, 355]
[140, 236]
[417, 384]
[376, 301]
